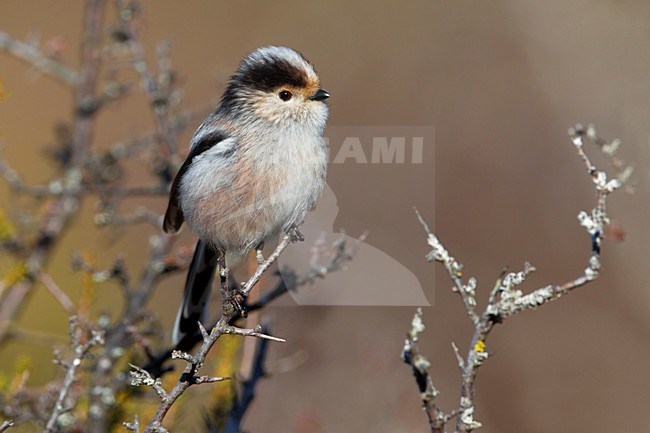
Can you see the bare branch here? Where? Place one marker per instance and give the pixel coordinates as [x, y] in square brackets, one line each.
[80, 352]
[262, 267]
[194, 363]
[142, 377]
[18, 185]
[420, 367]
[32, 55]
[35, 337]
[58, 294]
[141, 215]
[6, 425]
[159, 89]
[336, 256]
[134, 426]
[209, 379]
[256, 332]
[439, 254]
[506, 298]
[459, 358]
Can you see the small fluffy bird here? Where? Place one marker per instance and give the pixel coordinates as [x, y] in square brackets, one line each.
[255, 168]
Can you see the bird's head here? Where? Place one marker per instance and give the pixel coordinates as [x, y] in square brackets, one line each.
[277, 85]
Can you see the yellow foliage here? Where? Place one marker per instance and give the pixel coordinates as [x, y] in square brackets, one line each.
[87, 287]
[228, 363]
[11, 382]
[23, 363]
[4, 382]
[7, 229]
[3, 93]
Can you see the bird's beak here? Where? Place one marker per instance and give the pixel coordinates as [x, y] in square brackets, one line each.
[320, 95]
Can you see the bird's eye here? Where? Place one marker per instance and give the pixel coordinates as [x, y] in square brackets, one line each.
[285, 95]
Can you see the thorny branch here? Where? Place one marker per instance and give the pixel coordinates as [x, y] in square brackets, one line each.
[506, 298]
[225, 325]
[195, 362]
[325, 259]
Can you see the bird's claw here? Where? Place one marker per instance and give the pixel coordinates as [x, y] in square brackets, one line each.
[295, 235]
[235, 302]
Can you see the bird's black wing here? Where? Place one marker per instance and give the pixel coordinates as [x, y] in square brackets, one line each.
[174, 216]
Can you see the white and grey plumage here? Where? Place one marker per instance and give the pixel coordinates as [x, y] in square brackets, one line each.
[256, 166]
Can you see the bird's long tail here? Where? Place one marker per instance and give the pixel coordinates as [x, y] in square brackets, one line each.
[197, 293]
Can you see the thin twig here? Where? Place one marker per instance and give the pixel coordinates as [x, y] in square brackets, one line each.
[80, 352]
[134, 426]
[32, 55]
[262, 267]
[158, 98]
[6, 425]
[454, 269]
[338, 255]
[420, 367]
[56, 291]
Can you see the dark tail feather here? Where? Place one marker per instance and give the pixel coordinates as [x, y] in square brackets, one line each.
[197, 293]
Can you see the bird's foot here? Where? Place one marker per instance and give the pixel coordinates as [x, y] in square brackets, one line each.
[295, 234]
[235, 303]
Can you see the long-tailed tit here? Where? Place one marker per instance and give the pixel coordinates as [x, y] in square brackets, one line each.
[255, 168]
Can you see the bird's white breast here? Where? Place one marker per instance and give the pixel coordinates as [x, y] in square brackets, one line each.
[267, 185]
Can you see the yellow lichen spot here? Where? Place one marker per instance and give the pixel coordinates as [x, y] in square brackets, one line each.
[479, 346]
[4, 382]
[459, 274]
[16, 273]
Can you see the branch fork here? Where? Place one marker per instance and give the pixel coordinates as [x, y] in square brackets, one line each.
[506, 297]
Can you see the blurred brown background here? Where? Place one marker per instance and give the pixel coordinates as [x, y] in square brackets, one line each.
[501, 82]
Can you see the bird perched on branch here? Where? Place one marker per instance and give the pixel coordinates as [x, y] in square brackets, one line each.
[255, 168]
